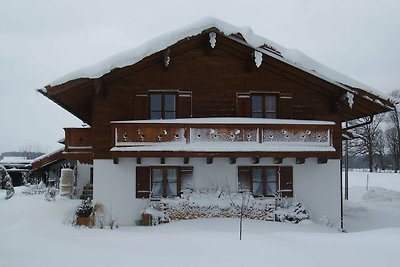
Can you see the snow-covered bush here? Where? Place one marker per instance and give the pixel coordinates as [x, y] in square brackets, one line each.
[292, 212]
[84, 209]
[157, 216]
[51, 191]
[104, 217]
[6, 179]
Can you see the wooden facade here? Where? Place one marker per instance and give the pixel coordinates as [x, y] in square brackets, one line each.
[207, 82]
[78, 144]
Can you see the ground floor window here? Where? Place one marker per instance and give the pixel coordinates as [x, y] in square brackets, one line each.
[266, 181]
[162, 181]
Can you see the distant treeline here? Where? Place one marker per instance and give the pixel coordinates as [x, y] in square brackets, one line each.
[385, 162]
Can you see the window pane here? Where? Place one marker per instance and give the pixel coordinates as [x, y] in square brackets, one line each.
[155, 102]
[271, 175]
[256, 103]
[157, 175]
[256, 115]
[271, 188]
[257, 175]
[169, 103]
[171, 190]
[257, 189]
[171, 175]
[155, 115]
[169, 115]
[171, 182]
[156, 189]
[257, 182]
[270, 103]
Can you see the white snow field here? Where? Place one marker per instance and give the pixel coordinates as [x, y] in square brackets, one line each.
[35, 232]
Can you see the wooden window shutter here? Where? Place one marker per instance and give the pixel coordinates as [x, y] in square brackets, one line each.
[183, 171]
[142, 106]
[286, 180]
[142, 182]
[184, 105]
[243, 105]
[245, 178]
[285, 105]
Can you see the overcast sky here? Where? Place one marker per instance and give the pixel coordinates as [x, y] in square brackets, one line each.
[41, 40]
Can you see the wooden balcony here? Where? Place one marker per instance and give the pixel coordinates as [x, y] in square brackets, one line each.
[223, 137]
[78, 144]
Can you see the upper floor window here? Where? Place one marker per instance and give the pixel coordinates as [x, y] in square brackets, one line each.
[162, 106]
[263, 106]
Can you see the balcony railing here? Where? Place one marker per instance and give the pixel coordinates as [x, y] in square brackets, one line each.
[251, 133]
[78, 139]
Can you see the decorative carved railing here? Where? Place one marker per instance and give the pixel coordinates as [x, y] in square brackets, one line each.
[135, 133]
[78, 139]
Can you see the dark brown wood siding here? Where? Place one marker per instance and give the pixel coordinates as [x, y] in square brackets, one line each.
[214, 81]
[184, 105]
[142, 106]
[285, 105]
[243, 105]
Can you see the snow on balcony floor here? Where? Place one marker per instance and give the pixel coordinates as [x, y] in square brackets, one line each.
[226, 146]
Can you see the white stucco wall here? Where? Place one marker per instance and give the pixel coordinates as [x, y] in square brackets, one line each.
[83, 176]
[114, 186]
[316, 185]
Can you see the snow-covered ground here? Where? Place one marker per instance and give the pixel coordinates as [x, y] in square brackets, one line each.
[35, 232]
[377, 208]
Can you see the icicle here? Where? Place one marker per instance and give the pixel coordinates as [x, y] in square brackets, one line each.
[213, 39]
[258, 58]
[350, 99]
[167, 57]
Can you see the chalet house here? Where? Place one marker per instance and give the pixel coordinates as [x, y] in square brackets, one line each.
[212, 105]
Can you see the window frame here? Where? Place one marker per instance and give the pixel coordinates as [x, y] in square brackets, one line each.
[264, 110]
[164, 181]
[264, 179]
[179, 170]
[163, 110]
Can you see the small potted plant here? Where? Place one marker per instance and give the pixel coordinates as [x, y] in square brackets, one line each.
[84, 213]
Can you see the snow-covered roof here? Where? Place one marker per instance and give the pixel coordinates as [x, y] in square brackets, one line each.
[48, 155]
[15, 160]
[230, 121]
[261, 44]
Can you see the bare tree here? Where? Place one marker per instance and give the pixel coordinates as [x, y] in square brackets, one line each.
[392, 134]
[370, 139]
[392, 142]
